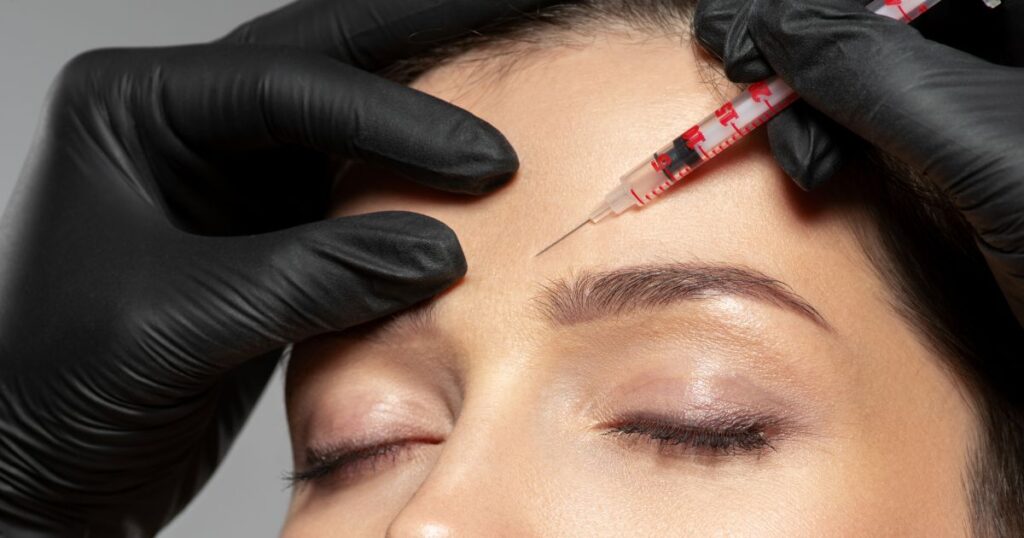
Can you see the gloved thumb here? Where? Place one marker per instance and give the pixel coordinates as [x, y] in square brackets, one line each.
[805, 143]
[238, 298]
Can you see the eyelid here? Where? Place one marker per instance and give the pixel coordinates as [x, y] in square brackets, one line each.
[709, 419]
[322, 463]
[726, 434]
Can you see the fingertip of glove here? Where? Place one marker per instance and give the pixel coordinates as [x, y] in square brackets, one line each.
[720, 26]
[420, 249]
[337, 273]
[486, 161]
[492, 161]
[809, 173]
[711, 26]
[809, 176]
[804, 148]
[747, 67]
[430, 141]
[469, 156]
[440, 253]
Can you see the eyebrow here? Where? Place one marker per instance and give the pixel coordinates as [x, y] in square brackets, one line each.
[590, 295]
[418, 318]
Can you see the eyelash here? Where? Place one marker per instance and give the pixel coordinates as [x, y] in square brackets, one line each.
[346, 465]
[727, 436]
[730, 436]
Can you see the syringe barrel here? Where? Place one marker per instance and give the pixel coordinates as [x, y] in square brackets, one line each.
[700, 143]
[620, 199]
[758, 103]
[641, 184]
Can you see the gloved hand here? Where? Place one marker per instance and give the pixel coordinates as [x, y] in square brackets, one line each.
[954, 116]
[162, 248]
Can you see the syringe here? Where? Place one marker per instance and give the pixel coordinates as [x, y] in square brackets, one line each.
[758, 103]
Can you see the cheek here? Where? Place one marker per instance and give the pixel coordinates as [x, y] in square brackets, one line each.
[915, 451]
[794, 496]
[824, 492]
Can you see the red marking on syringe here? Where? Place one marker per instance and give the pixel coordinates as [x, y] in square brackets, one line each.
[661, 162]
[633, 192]
[761, 93]
[897, 3]
[726, 114]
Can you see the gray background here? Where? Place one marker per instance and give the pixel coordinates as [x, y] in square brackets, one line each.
[247, 496]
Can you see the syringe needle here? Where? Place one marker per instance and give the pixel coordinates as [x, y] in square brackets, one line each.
[560, 239]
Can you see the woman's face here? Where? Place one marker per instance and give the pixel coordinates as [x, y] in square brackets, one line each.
[721, 363]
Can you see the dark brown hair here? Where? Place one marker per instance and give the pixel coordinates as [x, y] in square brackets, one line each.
[915, 239]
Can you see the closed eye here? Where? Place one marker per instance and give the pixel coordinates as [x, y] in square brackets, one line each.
[721, 436]
[347, 465]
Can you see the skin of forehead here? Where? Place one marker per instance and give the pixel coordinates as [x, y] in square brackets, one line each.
[577, 125]
[579, 118]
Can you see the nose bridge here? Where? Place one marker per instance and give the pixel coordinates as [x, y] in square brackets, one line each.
[483, 483]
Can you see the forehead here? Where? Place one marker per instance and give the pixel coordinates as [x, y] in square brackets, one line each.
[580, 117]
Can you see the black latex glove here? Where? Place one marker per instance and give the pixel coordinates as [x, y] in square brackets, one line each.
[162, 247]
[954, 116]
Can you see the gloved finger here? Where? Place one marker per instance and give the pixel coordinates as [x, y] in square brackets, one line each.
[800, 140]
[720, 26]
[944, 112]
[804, 144]
[232, 97]
[373, 34]
[263, 292]
[993, 34]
